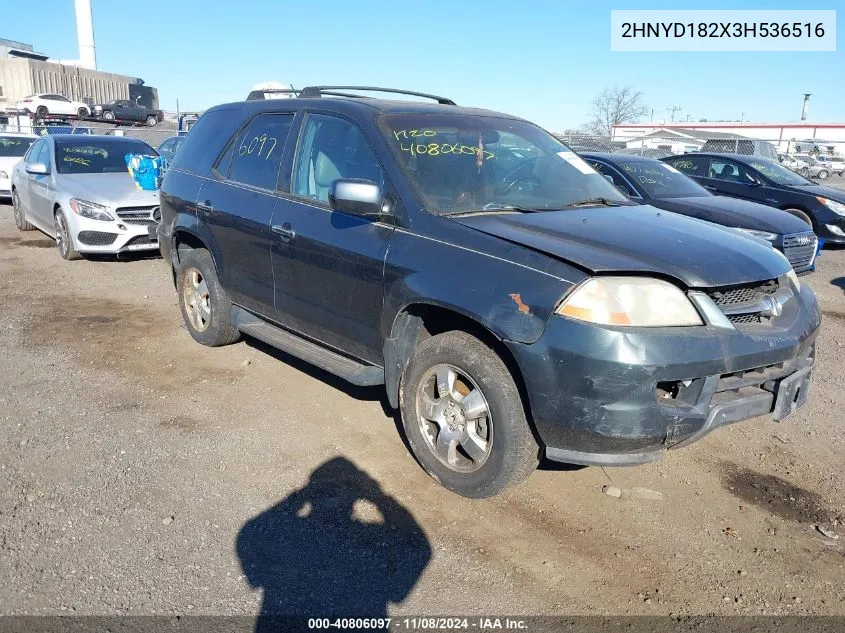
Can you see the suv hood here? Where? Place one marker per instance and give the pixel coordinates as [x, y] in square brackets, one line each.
[108, 189]
[735, 212]
[640, 239]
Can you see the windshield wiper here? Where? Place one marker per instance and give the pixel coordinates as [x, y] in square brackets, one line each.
[594, 202]
[499, 209]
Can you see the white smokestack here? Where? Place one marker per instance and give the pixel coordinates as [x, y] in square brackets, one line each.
[85, 35]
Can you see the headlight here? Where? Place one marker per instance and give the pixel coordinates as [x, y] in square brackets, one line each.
[98, 108]
[766, 235]
[634, 301]
[833, 205]
[90, 210]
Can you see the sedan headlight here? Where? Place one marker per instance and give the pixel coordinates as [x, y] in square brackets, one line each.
[766, 235]
[90, 210]
[634, 301]
[833, 205]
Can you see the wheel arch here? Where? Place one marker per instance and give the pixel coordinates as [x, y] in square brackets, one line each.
[803, 209]
[184, 239]
[418, 321]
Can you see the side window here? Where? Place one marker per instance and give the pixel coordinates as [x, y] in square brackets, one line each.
[689, 165]
[45, 156]
[35, 152]
[257, 152]
[614, 176]
[331, 148]
[204, 142]
[729, 171]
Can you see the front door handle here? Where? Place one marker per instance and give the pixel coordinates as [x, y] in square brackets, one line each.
[206, 205]
[709, 188]
[284, 231]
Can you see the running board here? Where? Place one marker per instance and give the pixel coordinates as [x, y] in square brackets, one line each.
[324, 358]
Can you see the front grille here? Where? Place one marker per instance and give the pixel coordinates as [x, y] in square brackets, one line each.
[96, 238]
[800, 250]
[730, 297]
[141, 239]
[743, 305]
[144, 216]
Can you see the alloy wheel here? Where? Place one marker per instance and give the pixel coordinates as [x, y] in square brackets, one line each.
[197, 300]
[16, 206]
[62, 237]
[454, 418]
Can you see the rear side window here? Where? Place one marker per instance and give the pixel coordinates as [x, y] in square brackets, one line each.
[258, 149]
[689, 165]
[206, 139]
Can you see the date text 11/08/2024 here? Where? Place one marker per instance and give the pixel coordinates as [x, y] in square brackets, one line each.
[419, 624]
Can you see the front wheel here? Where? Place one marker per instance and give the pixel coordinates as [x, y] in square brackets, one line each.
[20, 215]
[64, 242]
[151, 121]
[464, 418]
[82, 113]
[823, 175]
[108, 115]
[205, 306]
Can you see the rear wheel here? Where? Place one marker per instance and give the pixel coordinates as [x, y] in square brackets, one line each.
[823, 174]
[64, 242]
[205, 306]
[41, 111]
[20, 214]
[463, 416]
[151, 120]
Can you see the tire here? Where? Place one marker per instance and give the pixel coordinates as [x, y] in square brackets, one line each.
[82, 113]
[20, 215]
[151, 121]
[64, 242]
[41, 111]
[823, 174]
[509, 453]
[798, 213]
[108, 115]
[205, 307]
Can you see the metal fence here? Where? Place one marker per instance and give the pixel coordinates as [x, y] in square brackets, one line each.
[153, 136]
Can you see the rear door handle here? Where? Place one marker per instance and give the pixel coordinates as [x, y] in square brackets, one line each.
[284, 231]
[205, 205]
[709, 188]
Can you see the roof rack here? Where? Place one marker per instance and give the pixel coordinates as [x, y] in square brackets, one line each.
[319, 91]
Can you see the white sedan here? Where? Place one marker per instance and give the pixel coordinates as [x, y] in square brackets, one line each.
[51, 103]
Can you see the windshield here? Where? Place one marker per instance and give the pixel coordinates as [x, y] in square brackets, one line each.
[461, 163]
[661, 180]
[14, 146]
[92, 157]
[778, 173]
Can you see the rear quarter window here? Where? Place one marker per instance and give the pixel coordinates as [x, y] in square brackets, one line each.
[206, 140]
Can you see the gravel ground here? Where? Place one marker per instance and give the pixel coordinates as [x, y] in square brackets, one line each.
[143, 473]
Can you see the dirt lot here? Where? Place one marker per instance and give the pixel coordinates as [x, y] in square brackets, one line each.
[143, 473]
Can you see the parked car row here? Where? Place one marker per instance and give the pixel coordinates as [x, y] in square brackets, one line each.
[514, 300]
[116, 111]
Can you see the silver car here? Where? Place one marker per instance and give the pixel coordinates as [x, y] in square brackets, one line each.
[77, 189]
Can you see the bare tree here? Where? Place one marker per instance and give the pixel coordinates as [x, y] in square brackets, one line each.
[613, 106]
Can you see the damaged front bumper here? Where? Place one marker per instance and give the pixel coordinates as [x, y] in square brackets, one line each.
[615, 396]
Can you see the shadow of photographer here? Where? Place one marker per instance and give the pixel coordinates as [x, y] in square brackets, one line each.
[338, 547]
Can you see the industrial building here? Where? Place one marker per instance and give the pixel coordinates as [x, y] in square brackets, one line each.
[25, 71]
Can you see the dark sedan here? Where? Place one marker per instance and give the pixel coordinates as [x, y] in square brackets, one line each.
[660, 185]
[770, 183]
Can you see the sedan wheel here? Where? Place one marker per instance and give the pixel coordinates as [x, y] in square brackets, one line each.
[823, 175]
[20, 215]
[108, 115]
[63, 238]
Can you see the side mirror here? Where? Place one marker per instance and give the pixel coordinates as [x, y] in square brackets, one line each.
[355, 196]
[610, 179]
[38, 169]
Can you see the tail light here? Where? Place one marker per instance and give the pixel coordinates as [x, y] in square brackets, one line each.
[26, 100]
